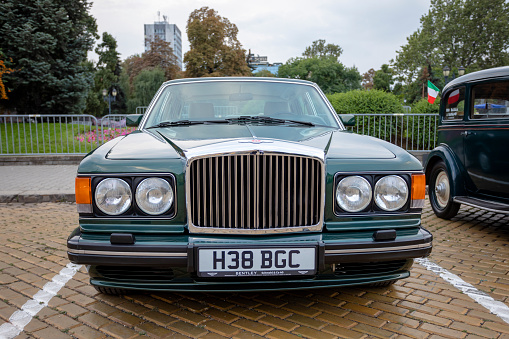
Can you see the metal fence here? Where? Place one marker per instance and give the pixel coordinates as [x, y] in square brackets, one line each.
[413, 132]
[58, 134]
[80, 134]
[141, 109]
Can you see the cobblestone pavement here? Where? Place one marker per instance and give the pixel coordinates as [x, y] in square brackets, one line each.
[474, 246]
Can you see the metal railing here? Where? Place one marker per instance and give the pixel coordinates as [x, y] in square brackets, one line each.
[141, 109]
[413, 132]
[80, 134]
[58, 134]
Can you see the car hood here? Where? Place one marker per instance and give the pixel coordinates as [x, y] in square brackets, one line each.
[178, 142]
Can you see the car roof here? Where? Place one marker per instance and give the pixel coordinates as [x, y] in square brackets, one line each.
[486, 74]
[257, 79]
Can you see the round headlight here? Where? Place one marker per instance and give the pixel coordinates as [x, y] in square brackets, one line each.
[391, 193]
[353, 194]
[154, 196]
[113, 196]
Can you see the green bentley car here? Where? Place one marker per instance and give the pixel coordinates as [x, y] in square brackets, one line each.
[233, 184]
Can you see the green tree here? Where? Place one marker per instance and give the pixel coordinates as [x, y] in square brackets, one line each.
[214, 47]
[320, 64]
[469, 33]
[319, 49]
[48, 41]
[145, 85]
[160, 56]
[367, 79]
[107, 72]
[383, 79]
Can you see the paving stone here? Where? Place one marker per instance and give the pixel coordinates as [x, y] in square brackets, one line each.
[119, 331]
[62, 322]
[221, 328]
[94, 320]
[85, 332]
[50, 333]
[307, 332]
[342, 332]
[159, 318]
[188, 329]
[154, 331]
[443, 331]
[226, 316]
[307, 321]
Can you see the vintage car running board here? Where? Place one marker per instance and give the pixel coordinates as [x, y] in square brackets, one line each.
[484, 204]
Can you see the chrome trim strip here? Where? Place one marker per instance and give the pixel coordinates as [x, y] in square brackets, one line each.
[380, 249]
[122, 254]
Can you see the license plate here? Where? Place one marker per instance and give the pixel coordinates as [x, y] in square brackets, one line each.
[249, 262]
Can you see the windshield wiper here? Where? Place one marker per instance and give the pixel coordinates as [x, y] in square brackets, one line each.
[177, 123]
[265, 119]
[188, 123]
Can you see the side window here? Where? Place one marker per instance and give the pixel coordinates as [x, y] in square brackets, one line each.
[455, 104]
[490, 101]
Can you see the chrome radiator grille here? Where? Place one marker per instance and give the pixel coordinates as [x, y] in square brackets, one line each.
[255, 191]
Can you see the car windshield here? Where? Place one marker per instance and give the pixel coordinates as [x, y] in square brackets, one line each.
[240, 101]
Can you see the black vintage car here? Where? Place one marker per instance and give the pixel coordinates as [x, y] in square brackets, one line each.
[471, 164]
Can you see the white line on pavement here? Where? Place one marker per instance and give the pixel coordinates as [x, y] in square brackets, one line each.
[496, 307]
[21, 318]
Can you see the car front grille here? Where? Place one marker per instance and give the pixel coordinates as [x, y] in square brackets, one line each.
[255, 191]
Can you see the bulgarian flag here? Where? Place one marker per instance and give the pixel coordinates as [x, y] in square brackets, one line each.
[432, 92]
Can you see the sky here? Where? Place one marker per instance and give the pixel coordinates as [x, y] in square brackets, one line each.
[369, 31]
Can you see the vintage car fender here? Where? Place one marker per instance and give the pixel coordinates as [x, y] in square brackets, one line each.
[455, 169]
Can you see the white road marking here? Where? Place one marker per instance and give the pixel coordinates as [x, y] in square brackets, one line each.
[21, 318]
[496, 307]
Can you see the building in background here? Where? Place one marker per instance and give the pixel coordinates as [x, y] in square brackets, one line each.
[258, 63]
[167, 32]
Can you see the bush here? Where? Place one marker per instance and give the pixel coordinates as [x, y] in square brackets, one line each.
[360, 101]
[423, 106]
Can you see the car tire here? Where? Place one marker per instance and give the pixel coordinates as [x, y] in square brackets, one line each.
[111, 290]
[439, 189]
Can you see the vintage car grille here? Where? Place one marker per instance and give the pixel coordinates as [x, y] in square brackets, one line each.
[255, 191]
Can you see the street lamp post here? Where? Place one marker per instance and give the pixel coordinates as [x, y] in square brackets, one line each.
[109, 97]
[447, 72]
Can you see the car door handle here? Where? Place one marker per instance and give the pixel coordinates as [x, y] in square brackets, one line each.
[467, 133]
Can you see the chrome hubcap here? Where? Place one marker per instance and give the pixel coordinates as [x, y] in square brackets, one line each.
[442, 189]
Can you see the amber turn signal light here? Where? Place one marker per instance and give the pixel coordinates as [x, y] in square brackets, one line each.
[83, 191]
[418, 190]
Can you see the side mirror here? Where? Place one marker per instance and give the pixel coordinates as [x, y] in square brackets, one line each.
[133, 120]
[347, 119]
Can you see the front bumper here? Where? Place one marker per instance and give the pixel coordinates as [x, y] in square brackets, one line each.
[178, 255]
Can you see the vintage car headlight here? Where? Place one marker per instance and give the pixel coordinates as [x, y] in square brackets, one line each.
[154, 196]
[113, 196]
[353, 194]
[391, 193]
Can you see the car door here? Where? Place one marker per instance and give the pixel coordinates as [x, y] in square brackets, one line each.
[486, 138]
[453, 121]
